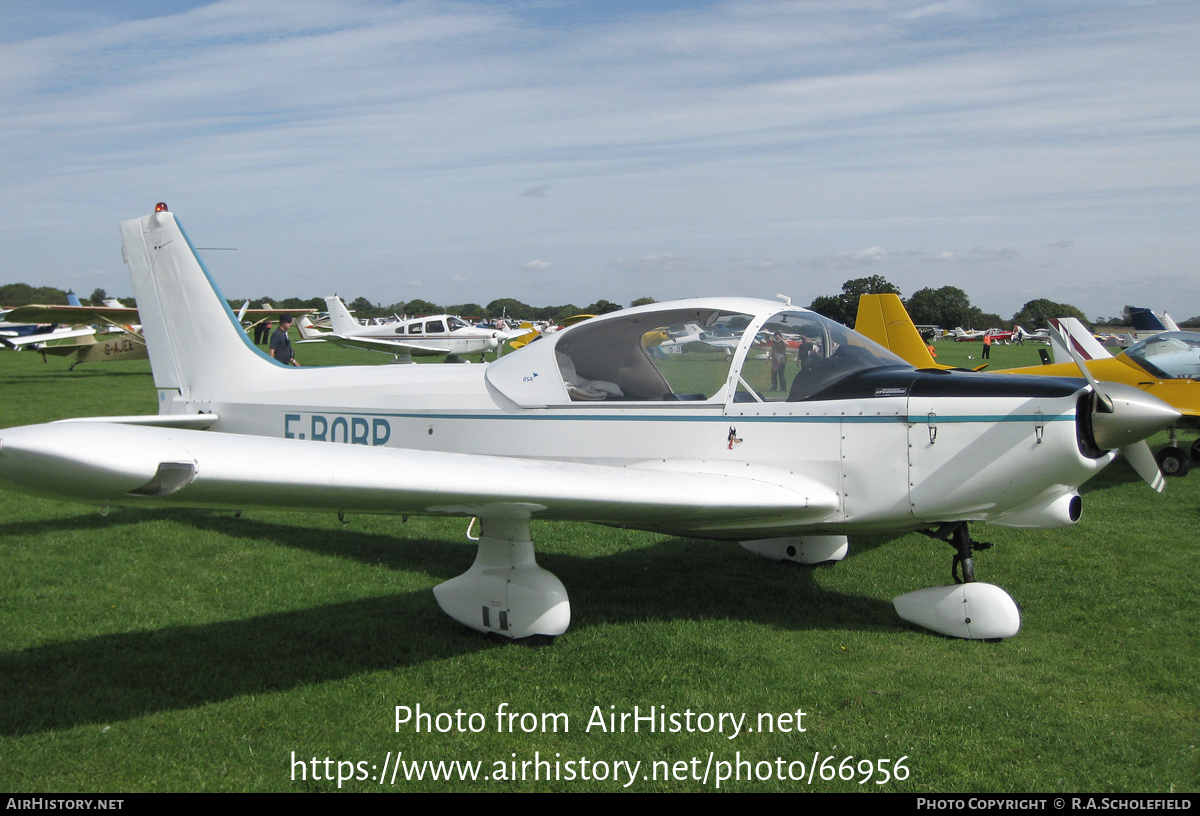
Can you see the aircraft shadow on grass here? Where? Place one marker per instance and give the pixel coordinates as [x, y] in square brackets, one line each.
[123, 676]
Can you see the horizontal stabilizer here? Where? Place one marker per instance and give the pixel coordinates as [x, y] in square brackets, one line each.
[195, 422]
[380, 345]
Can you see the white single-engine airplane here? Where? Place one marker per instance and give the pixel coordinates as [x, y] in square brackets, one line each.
[431, 336]
[680, 444]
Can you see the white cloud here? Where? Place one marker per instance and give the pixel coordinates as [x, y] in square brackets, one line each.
[849, 260]
[976, 254]
[984, 254]
[537, 265]
[664, 262]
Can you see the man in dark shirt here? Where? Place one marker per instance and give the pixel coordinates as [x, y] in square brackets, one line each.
[281, 347]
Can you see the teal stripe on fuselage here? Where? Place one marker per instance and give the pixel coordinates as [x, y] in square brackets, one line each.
[824, 420]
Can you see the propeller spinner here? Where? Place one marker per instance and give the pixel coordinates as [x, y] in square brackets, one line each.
[1124, 417]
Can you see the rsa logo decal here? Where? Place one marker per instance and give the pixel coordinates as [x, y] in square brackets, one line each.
[353, 430]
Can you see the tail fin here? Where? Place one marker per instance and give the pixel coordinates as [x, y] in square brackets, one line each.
[882, 318]
[340, 318]
[1077, 334]
[73, 299]
[1145, 320]
[196, 346]
[307, 330]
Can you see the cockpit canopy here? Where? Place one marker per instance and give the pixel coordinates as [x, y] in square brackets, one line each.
[689, 353]
[1169, 355]
[676, 355]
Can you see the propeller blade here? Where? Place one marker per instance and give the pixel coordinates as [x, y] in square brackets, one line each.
[1123, 417]
[1143, 462]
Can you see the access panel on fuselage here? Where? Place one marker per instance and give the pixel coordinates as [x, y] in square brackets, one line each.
[1022, 444]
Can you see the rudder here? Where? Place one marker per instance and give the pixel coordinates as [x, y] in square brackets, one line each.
[193, 340]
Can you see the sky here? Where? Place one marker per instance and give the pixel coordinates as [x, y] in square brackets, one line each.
[563, 152]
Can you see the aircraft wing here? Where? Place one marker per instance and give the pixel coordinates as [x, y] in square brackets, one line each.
[74, 314]
[265, 313]
[106, 462]
[116, 315]
[61, 334]
[376, 344]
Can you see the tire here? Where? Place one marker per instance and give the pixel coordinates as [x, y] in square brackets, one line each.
[1196, 451]
[1173, 462]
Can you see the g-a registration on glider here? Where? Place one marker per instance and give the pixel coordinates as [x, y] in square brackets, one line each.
[586, 425]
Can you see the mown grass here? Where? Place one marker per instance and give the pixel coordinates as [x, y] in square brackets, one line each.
[189, 651]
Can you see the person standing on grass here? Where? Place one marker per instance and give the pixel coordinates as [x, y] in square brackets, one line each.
[281, 346]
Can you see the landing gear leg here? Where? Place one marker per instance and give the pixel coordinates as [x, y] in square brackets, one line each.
[968, 609]
[958, 536]
[964, 545]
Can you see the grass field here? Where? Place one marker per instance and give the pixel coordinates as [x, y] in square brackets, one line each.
[196, 651]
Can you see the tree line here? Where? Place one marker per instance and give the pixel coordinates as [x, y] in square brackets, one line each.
[947, 306]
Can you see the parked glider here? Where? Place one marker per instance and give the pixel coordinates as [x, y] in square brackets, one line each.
[119, 339]
[432, 336]
[586, 425]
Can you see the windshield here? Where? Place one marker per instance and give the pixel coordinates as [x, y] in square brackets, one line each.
[797, 355]
[1170, 355]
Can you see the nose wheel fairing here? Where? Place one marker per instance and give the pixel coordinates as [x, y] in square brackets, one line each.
[974, 611]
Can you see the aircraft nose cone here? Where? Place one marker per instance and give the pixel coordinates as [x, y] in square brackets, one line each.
[1134, 416]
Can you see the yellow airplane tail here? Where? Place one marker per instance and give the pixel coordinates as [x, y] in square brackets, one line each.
[882, 318]
[524, 339]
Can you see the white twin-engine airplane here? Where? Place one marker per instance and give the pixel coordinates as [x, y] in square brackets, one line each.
[587, 425]
[422, 337]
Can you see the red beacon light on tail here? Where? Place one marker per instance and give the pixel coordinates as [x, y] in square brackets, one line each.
[161, 207]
